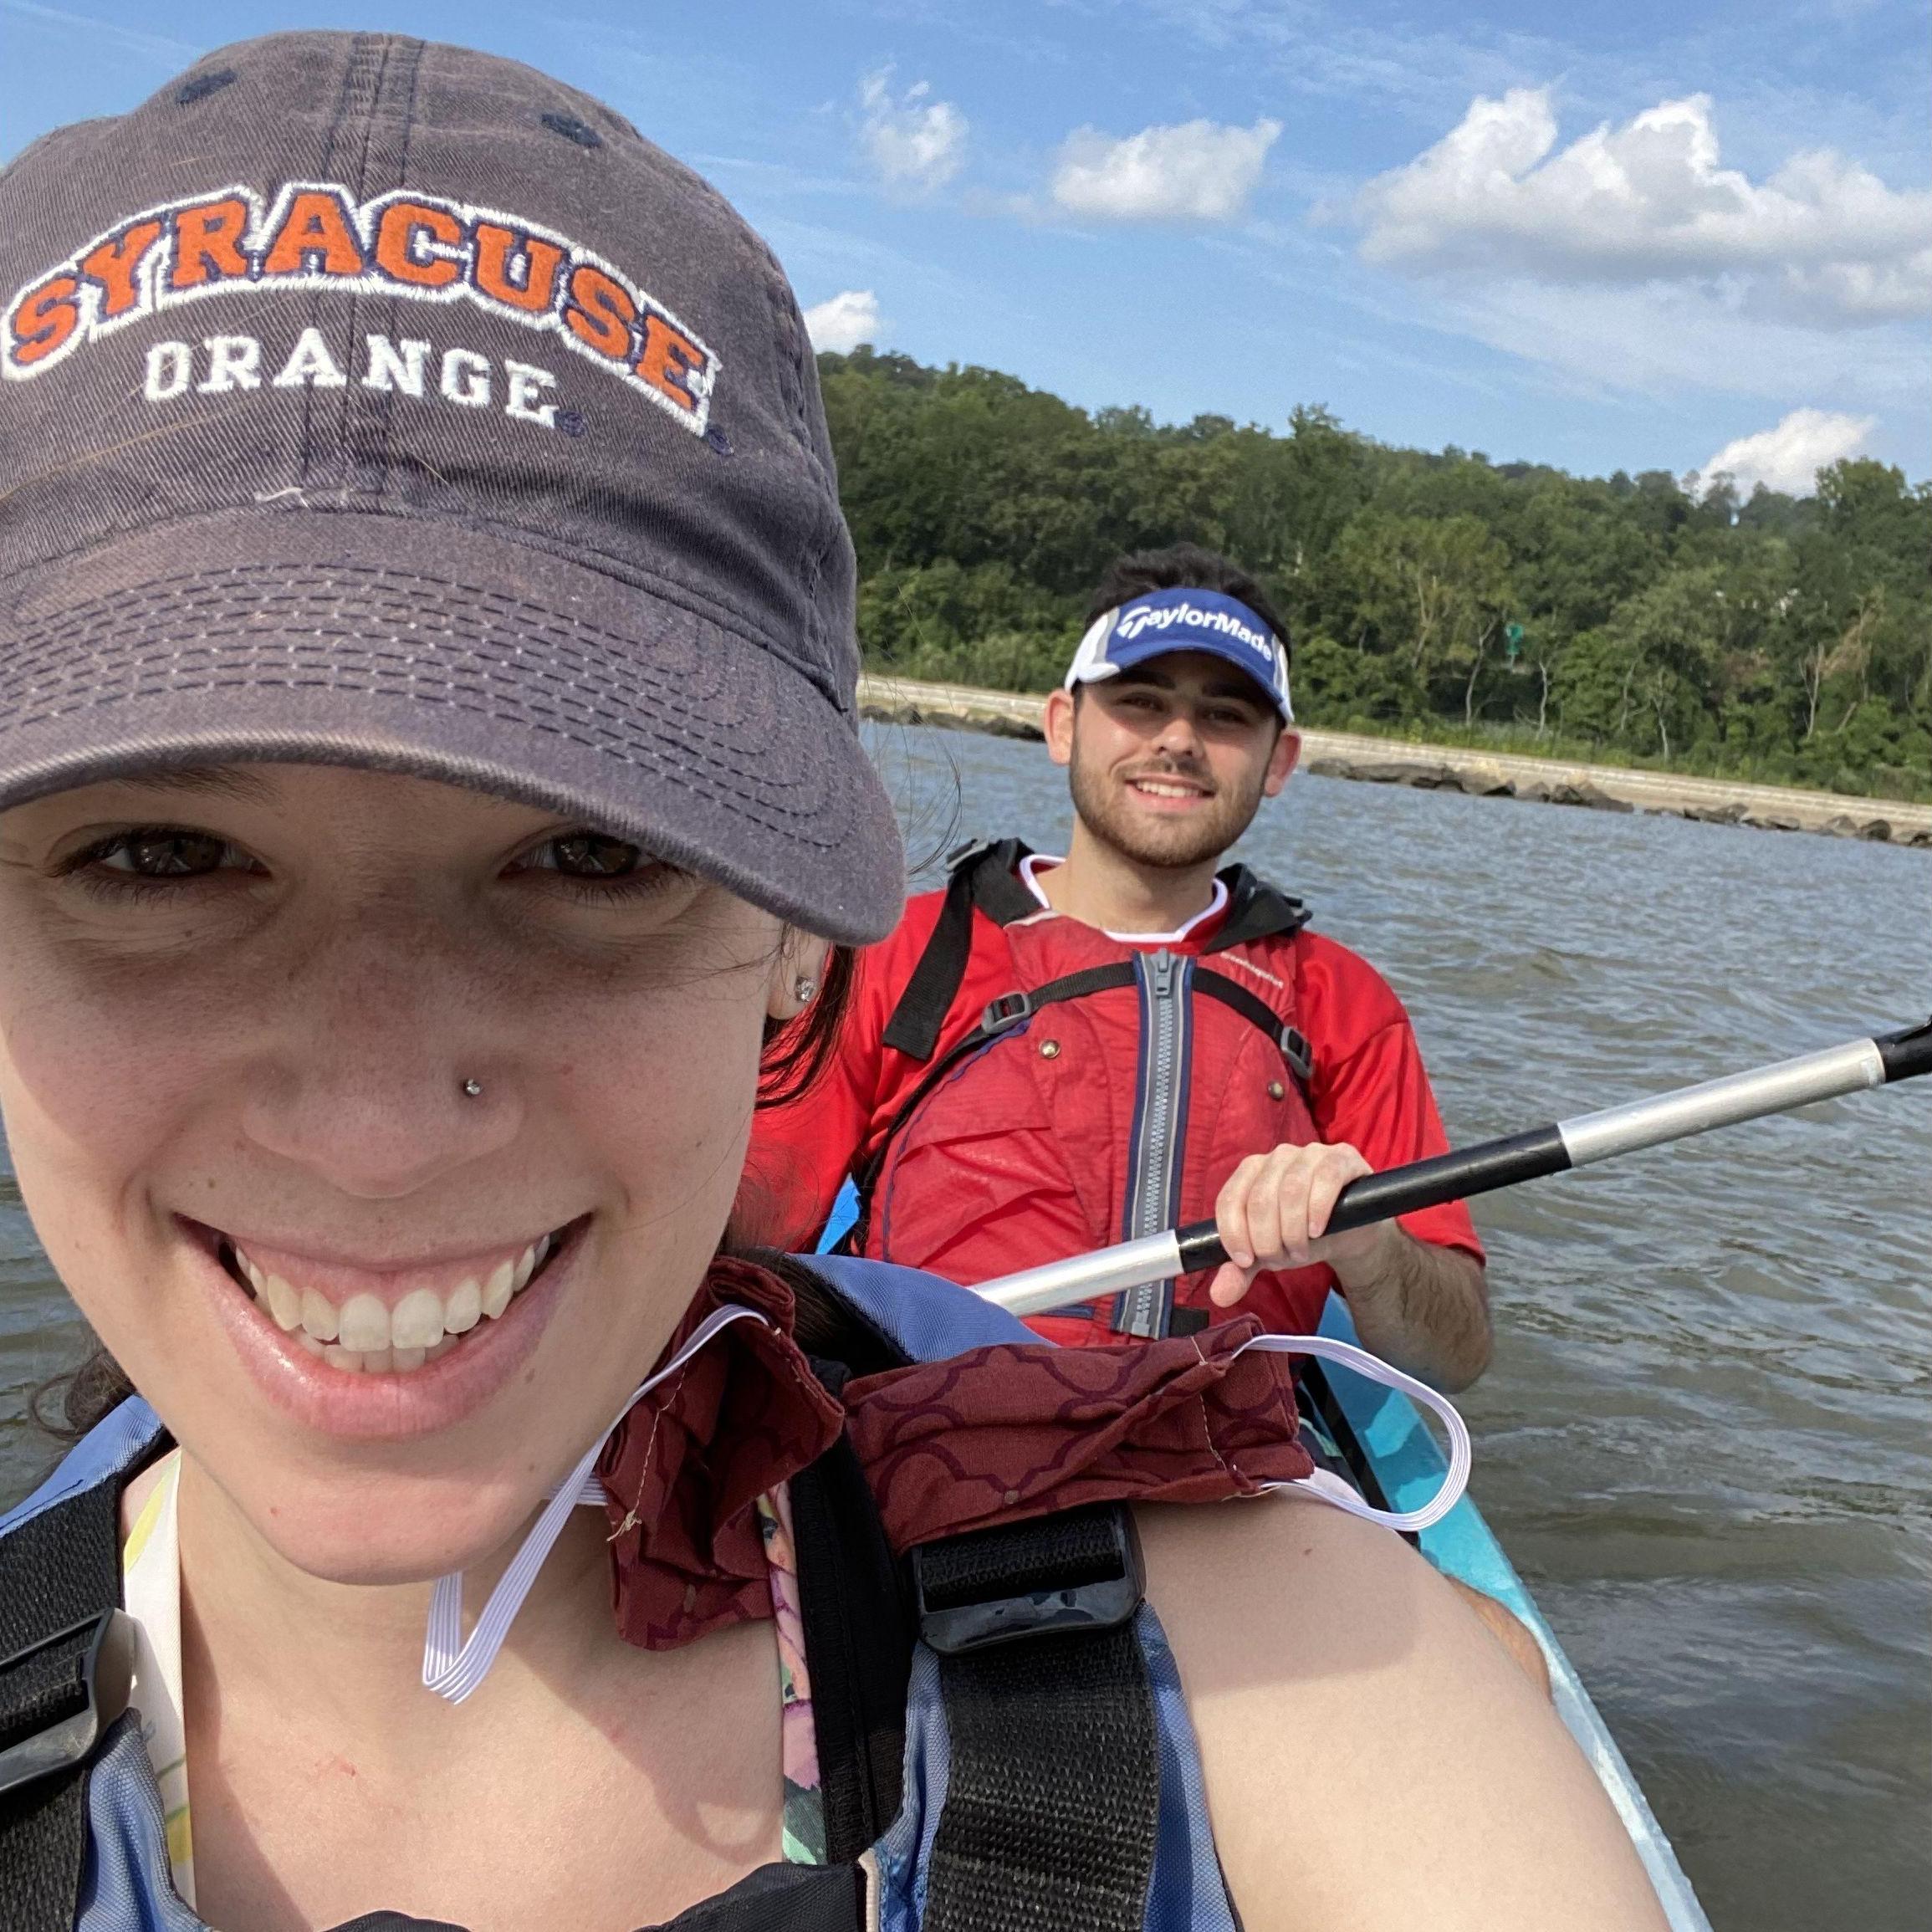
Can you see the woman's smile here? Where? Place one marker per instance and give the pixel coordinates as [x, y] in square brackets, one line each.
[374, 1351]
[383, 1319]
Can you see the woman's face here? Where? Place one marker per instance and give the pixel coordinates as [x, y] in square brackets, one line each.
[237, 1010]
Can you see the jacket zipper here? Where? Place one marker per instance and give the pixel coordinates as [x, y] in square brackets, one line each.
[1154, 1184]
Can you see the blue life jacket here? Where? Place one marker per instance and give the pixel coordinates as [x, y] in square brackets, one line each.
[1002, 1734]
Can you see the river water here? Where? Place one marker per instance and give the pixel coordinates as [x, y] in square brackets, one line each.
[1706, 1439]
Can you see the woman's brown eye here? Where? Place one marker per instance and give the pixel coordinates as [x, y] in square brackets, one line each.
[592, 855]
[167, 855]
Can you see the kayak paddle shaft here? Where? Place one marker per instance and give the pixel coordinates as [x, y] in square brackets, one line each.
[1852, 1068]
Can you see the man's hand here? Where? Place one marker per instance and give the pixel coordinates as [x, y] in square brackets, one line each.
[1272, 1210]
[1422, 1307]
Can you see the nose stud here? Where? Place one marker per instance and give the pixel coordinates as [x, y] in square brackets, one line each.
[473, 1089]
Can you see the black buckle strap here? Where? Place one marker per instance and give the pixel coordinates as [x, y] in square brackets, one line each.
[1297, 1052]
[981, 878]
[1009, 1009]
[58, 1696]
[1052, 1811]
[59, 1592]
[1290, 1042]
[1078, 1571]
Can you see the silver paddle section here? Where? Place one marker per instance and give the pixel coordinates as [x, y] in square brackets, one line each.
[1852, 1068]
[1716, 1103]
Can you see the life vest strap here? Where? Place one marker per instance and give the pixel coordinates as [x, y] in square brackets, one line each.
[973, 882]
[981, 879]
[59, 1612]
[1012, 1010]
[858, 1642]
[1052, 1809]
[1290, 1041]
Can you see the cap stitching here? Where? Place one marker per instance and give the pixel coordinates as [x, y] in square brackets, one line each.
[701, 603]
[356, 42]
[383, 400]
[814, 544]
[841, 902]
[350, 399]
[429, 681]
[806, 823]
[799, 824]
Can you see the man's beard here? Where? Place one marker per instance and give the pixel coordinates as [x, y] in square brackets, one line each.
[1174, 845]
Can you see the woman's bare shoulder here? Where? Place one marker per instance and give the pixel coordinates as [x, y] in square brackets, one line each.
[1372, 1757]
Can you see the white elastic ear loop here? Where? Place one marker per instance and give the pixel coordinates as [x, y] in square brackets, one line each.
[1363, 1363]
[452, 1669]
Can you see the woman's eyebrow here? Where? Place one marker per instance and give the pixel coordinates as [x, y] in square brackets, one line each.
[224, 781]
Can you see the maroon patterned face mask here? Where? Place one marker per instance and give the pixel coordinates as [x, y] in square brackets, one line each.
[995, 1435]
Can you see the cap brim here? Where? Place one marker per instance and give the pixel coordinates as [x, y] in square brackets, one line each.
[457, 653]
[1140, 650]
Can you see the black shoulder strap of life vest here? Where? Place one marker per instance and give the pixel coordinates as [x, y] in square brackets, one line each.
[1052, 1807]
[66, 1663]
[859, 1630]
[1257, 910]
[982, 880]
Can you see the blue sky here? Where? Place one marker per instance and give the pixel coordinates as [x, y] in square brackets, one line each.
[1637, 236]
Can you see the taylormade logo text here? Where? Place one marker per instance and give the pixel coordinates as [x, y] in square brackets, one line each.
[1136, 619]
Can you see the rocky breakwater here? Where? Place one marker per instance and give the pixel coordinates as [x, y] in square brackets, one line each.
[1442, 768]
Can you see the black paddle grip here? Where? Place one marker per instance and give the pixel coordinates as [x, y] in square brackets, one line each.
[1906, 1053]
[1451, 1177]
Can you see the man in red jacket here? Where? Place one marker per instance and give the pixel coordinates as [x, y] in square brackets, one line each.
[1051, 1054]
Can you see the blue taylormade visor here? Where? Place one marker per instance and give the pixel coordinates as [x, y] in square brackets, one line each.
[1168, 621]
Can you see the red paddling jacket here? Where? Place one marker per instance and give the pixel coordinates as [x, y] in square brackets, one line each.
[1014, 1086]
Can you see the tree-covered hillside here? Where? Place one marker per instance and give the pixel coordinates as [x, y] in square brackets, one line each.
[1445, 595]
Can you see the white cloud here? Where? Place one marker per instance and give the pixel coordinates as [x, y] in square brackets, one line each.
[1661, 338]
[1789, 456]
[1198, 171]
[917, 144]
[843, 323]
[1822, 241]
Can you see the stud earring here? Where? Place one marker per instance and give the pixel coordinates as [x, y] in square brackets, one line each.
[803, 989]
[473, 1089]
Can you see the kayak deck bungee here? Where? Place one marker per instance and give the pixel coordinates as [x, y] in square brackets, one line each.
[1398, 1465]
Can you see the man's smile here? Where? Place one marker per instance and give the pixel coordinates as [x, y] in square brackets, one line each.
[1168, 787]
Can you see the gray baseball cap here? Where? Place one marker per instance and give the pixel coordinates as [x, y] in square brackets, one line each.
[374, 402]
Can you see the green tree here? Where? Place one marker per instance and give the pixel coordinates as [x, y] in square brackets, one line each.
[1777, 636]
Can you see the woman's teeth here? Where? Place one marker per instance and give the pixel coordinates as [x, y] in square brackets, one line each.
[365, 1336]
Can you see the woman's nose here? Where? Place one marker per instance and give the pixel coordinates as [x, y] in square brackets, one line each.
[379, 1133]
[381, 1076]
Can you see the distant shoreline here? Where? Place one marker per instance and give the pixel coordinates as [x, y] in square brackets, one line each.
[1450, 768]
